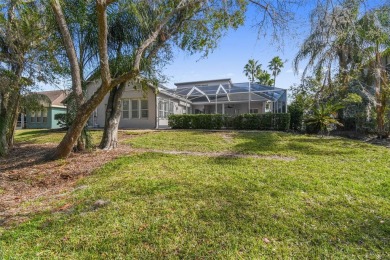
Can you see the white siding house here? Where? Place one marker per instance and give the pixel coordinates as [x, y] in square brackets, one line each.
[150, 109]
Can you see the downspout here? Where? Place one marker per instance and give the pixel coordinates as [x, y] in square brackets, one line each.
[285, 101]
[216, 104]
[156, 112]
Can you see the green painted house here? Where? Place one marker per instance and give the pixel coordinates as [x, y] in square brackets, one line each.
[45, 118]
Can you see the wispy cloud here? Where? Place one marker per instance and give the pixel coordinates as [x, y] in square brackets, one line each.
[290, 71]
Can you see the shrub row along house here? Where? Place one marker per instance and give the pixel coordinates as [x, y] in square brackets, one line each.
[150, 108]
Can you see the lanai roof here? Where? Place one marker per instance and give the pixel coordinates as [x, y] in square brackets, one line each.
[234, 92]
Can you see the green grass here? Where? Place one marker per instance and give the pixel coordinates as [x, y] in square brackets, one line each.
[42, 136]
[197, 141]
[333, 201]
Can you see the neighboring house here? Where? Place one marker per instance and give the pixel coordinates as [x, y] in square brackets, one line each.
[45, 118]
[150, 109]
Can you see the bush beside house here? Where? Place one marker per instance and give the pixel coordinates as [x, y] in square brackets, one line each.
[277, 122]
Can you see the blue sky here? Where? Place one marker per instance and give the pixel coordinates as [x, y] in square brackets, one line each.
[229, 59]
[235, 49]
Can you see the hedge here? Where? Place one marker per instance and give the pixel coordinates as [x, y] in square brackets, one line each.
[278, 122]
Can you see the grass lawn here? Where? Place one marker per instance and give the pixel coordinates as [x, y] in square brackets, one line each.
[332, 201]
[42, 136]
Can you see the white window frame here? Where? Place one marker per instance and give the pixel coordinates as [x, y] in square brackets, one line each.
[254, 111]
[44, 115]
[39, 116]
[128, 110]
[143, 109]
[138, 110]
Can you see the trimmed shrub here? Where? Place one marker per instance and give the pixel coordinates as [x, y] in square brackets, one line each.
[278, 122]
[228, 121]
[296, 113]
[281, 122]
[199, 121]
[179, 121]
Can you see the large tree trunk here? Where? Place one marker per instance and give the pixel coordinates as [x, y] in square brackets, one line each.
[13, 118]
[10, 99]
[65, 147]
[3, 124]
[113, 114]
[76, 72]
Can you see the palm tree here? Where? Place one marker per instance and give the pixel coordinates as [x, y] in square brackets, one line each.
[251, 69]
[324, 116]
[275, 66]
[264, 78]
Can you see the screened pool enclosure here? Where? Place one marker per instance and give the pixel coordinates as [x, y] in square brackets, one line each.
[225, 97]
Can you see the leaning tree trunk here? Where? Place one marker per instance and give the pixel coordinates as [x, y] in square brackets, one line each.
[113, 114]
[73, 61]
[3, 128]
[66, 145]
[13, 118]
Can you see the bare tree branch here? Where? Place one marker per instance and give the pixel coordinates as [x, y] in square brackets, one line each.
[70, 51]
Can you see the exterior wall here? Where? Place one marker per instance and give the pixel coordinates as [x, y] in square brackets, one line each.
[139, 123]
[51, 122]
[51, 114]
[98, 117]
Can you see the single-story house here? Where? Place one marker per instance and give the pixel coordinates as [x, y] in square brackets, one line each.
[148, 109]
[45, 118]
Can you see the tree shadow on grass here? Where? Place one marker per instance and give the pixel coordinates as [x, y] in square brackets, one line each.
[25, 156]
[198, 216]
[221, 217]
[240, 213]
[37, 132]
[282, 143]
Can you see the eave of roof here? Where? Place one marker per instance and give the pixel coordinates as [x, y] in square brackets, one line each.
[203, 81]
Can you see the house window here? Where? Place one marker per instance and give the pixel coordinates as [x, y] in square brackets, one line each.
[44, 116]
[39, 116]
[254, 111]
[137, 107]
[134, 108]
[32, 117]
[125, 109]
[144, 109]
